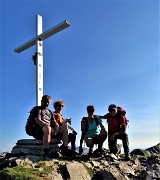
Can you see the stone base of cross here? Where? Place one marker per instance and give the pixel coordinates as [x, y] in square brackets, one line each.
[38, 59]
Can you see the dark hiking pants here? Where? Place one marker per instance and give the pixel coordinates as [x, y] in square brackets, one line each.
[113, 143]
[71, 139]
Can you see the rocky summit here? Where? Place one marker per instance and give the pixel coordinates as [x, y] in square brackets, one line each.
[143, 165]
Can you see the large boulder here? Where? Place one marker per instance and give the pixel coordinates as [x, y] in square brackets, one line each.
[32, 147]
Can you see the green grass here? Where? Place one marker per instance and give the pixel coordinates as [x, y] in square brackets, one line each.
[26, 173]
[90, 171]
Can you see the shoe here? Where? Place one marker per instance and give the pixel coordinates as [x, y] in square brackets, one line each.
[66, 152]
[47, 154]
[74, 153]
[127, 158]
[55, 154]
[98, 152]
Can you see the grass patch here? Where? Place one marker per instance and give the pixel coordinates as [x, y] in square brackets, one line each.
[18, 173]
[90, 171]
[26, 173]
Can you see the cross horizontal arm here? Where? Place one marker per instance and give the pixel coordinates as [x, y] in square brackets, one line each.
[43, 36]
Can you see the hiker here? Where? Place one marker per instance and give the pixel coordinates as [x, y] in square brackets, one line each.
[64, 124]
[43, 117]
[91, 132]
[117, 124]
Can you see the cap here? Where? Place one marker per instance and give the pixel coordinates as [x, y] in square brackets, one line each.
[112, 106]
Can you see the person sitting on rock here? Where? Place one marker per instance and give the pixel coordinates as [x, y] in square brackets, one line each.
[91, 132]
[116, 130]
[64, 124]
[43, 117]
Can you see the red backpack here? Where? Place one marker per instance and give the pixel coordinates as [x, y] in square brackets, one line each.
[122, 112]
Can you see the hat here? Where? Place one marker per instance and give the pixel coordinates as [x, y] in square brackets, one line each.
[112, 106]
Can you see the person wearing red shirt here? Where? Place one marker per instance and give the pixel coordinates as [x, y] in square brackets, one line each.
[116, 130]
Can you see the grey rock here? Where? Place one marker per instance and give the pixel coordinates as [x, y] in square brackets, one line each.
[33, 147]
[154, 149]
[144, 165]
[77, 171]
[125, 168]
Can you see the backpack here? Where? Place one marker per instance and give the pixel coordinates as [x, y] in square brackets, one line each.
[31, 123]
[122, 112]
[84, 129]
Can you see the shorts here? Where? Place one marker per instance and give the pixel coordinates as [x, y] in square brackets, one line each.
[95, 139]
[38, 134]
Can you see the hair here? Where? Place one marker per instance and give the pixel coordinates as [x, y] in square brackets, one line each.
[90, 107]
[58, 103]
[45, 97]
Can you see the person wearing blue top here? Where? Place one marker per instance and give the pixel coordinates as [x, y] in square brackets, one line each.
[94, 131]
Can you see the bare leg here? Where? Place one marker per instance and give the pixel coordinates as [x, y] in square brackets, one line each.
[46, 136]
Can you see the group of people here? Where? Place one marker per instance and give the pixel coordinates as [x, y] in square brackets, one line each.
[53, 125]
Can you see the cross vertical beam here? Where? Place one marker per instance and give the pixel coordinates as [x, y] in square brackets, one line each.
[39, 63]
[39, 52]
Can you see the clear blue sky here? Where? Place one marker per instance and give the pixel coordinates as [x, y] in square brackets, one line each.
[109, 54]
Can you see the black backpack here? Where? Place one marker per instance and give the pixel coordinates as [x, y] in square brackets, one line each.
[85, 119]
[31, 123]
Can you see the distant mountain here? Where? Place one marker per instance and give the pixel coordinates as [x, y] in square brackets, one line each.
[77, 149]
[154, 149]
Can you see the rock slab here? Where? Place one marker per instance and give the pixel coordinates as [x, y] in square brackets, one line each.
[33, 147]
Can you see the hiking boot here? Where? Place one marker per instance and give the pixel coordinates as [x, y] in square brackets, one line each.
[55, 154]
[127, 158]
[66, 152]
[90, 153]
[74, 153]
[47, 154]
[98, 152]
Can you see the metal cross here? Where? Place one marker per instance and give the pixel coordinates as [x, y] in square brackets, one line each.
[38, 57]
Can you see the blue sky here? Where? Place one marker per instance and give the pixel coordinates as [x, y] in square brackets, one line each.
[109, 54]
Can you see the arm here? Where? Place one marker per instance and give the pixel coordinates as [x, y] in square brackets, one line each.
[122, 128]
[103, 130]
[40, 122]
[70, 127]
[102, 127]
[105, 116]
[68, 120]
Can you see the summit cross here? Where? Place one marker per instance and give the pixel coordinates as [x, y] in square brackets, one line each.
[38, 40]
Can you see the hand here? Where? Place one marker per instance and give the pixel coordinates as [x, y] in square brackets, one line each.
[53, 132]
[102, 132]
[74, 132]
[69, 120]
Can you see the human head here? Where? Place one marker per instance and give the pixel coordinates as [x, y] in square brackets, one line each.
[58, 104]
[112, 108]
[46, 100]
[90, 109]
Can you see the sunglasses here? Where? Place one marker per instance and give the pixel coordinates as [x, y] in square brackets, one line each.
[112, 110]
[61, 105]
[90, 110]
